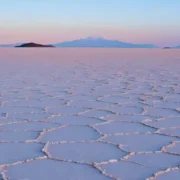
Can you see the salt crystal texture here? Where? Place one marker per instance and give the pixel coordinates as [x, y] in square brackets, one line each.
[84, 114]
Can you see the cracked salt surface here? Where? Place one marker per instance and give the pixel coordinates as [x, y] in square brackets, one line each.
[123, 127]
[140, 142]
[169, 122]
[74, 120]
[173, 148]
[127, 118]
[17, 136]
[97, 113]
[28, 126]
[126, 110]
[174, 175]
[101, 114]
[66, 110]
[51, 169]
[78, 133]
[90, 104]
[29, 116]
[20, 110]
[159, 112]
[40, 103]
[159, 159]
[170, 131]
[128, 170]
[14, 152]
[86, 152]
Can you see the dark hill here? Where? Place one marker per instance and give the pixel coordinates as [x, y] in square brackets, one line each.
[167, 48]
[33, 45]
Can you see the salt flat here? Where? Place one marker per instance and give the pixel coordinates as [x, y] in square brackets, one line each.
[101, 114]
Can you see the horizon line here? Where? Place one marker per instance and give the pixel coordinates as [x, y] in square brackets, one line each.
[87, 37]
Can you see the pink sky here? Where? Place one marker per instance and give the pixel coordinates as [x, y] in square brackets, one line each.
[51, 21]
[65, 33]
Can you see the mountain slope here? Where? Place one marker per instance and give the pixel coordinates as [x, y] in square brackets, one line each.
[177, 47]
[101, 42]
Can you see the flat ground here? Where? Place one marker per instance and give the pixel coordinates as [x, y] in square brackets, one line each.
[89, 114]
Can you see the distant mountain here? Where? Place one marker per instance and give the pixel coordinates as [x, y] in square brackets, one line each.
[33, 45]
[9, 45]
[177, 47]
[101, 42]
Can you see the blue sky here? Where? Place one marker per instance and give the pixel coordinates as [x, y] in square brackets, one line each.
[137, 21]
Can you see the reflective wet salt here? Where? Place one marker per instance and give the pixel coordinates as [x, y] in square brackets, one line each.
[97, 113]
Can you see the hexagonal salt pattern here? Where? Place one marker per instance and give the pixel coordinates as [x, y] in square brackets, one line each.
[160, 112]
[174, 174]
[89, 114]
[127, 170]
[15, 152]
[140, 142]
[126, 110]
[74, 120]
[66, 110]
[28, 126]
[168, 122]
[127, 118]
[85, 152]
[29, 116]
[170, 131]
[173, 148]
[123, 127]
[6, 136]
[78, 133]
[159, 159]
[49, 169]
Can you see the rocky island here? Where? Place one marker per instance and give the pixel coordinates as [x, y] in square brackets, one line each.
[34, 45]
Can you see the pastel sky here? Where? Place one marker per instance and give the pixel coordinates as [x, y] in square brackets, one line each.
[51, 21]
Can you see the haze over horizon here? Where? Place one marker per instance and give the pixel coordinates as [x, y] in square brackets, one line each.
[53, 21]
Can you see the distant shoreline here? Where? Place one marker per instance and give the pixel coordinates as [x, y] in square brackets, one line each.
[90, 42]
[84, 47]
